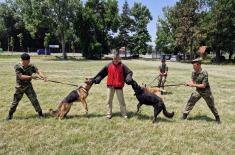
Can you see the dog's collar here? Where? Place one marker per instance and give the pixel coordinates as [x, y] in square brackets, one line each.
[81, 87]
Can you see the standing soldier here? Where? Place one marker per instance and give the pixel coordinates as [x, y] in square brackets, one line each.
[163, 68]
[24, 74]
[118, 74]
[200, 81]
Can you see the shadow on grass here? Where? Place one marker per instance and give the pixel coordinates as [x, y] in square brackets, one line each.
[47, 116]
[201, 117]
[85, 116]
[92, 115]
[32, 116]
[167, 93]
[141, 116]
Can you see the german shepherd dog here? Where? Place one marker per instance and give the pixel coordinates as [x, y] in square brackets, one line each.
[80, 94]
[150, 99]
[155, 90]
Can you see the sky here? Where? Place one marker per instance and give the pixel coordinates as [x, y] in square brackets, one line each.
[154, 6]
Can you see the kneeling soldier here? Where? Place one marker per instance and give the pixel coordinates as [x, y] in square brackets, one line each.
[24, 74]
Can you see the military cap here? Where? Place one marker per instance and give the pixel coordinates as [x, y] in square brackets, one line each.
[25, 56]
[198, 61]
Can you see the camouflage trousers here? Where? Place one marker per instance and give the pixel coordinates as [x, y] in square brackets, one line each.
[30, 93]
[162, 80]
[195, 96]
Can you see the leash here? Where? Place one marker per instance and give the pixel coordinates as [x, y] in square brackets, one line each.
[170, 85]
[153, 80]
[70, 84]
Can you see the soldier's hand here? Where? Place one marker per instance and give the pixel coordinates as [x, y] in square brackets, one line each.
[45, 79]
[190, 84]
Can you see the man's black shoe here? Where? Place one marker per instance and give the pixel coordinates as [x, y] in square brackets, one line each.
[217, 119]
[184, 117]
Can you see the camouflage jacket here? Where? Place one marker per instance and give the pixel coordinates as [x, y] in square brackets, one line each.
[29, 70]
[199, 78]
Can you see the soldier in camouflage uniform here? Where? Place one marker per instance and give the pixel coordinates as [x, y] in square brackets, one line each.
[163, 68]
[24, 74]
[200, 81]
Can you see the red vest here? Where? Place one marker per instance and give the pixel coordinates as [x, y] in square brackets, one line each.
[115, 76]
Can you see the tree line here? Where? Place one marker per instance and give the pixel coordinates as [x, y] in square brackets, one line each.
[93, 27]
[193, 23]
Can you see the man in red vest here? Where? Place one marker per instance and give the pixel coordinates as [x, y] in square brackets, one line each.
[118, 75]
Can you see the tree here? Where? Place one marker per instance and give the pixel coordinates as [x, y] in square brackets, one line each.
[54, 15]
[12, 43]
[126, 27]
[9, 21]
[95, 25]
[222, 27]
[142, 17]
[165, 35]
[187, 14]
[20, 37]
[46, 40]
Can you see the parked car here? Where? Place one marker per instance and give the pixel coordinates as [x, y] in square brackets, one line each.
[174, 58]
[182, 56]
[43, 52]
[166, 56]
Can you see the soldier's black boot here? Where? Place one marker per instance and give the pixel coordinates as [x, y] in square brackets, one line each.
[184, 116]
[10, 116]
[217, 119]
[40, 115]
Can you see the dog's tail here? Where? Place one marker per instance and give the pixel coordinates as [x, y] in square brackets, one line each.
[166, 113]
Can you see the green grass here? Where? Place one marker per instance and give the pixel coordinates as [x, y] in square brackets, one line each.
[77, 134]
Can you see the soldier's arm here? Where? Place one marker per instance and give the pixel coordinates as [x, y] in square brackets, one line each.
[193, 84]
[198, 85]
[204, 81]
[19, 73]
[39, 72]
[24, 77]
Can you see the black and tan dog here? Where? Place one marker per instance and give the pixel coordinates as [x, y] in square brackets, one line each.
[150, 99]
[80, 94]
[155, 90]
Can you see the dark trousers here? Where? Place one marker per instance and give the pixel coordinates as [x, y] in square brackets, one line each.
[195, 96]
[162, 80]
[29, 91]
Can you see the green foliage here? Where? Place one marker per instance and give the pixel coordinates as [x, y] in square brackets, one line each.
[20, 37]
[142, 17]
[47, 40]
[124, 38]
[93, 27]
[222, 26]
[12, 43]
[187, 16]
[166, 32]
[190, 22]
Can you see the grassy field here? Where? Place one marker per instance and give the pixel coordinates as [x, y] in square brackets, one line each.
[26, 134]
